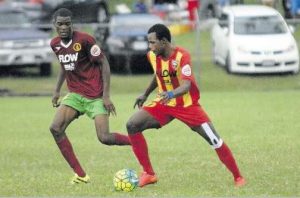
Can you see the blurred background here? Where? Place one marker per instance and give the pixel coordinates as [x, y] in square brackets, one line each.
[120, 28]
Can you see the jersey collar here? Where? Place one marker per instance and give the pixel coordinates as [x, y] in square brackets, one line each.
[66, 45]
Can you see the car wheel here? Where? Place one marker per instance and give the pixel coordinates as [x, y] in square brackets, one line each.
[228, 65]
[101, 14]
[295, 72]
[45, 69]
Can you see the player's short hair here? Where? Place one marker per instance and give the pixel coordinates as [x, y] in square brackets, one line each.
[161, 31]
[63, 12]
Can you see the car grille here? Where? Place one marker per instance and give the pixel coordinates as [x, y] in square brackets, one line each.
[27, 43]
[276, 64]
[267, 52]
[139, 43]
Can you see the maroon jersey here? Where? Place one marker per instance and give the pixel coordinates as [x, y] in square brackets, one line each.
[80, 58]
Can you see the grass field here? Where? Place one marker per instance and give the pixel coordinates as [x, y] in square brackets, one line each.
[257, 115]
[261, 128]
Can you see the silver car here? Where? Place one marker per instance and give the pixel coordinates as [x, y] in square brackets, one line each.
[22, 45]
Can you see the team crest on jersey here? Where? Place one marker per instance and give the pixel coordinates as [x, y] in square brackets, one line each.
[186, 70]
[77, 47]
[95, 50]
[174, 64]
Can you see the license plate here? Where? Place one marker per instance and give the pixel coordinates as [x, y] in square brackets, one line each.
[268, 63]
[27, 58]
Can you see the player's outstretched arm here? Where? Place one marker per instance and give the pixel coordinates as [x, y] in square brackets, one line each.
[60, 80]
[109, 106]
[141, 99]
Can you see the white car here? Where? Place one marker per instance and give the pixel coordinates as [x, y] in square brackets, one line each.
[254, 39]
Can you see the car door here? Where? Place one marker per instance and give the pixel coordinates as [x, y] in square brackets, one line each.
[220, 38]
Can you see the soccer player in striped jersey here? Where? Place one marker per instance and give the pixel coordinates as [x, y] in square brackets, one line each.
[177, 98]
[86, 71]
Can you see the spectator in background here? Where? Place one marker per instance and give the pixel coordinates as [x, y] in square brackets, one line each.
[193, 5]
[223, 3]
[286, 5]
[140, 7]
[165, 1]
[295, 8]
[37, 1]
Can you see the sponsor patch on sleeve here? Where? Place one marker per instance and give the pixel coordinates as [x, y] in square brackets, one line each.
[95, 50]
[186, 70]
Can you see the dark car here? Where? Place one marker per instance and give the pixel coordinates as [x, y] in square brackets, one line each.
[126, 43]
[212, 8]
[84, 11]
[22, 45]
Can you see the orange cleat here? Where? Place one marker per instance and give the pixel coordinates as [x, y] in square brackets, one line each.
[239, 182]
[146, 179]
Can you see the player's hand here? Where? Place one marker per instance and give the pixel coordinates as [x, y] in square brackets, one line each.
[165, 96]
[55, 98]
[140, 101]
[109, 106]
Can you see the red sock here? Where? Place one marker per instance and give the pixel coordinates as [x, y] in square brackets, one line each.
[121, 139]
[140, 149]
[227, 158]
[67, 151]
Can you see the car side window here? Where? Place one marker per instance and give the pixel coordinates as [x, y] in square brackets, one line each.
[224, 20]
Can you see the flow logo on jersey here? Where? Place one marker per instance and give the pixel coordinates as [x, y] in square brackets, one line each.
[66, 58]
[166, 73]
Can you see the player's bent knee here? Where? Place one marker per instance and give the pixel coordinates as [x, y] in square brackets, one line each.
[57, 133]
[54, 129]
[131, 127]
[106, 139]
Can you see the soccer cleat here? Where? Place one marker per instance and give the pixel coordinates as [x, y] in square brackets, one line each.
[146, 179]
[240, 181]
[80, 180]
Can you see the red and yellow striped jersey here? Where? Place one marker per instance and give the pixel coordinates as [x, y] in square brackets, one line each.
[171, 72]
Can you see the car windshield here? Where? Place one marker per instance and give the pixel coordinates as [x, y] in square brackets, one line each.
[132, 23]
[13, 19]
[259, 25]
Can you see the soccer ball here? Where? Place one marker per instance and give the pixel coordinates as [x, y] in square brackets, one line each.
[125, 180]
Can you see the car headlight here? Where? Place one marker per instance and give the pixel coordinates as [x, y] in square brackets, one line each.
[290, 48]
[6, 44]
[243, 50]
[115, 42]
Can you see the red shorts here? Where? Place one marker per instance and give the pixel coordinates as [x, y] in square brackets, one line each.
[192, 116]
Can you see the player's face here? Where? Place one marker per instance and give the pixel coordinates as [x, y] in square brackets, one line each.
[155, 45]
[64, 27]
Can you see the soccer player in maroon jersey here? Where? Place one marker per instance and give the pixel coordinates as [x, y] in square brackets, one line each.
[87, 72]
[177, 98]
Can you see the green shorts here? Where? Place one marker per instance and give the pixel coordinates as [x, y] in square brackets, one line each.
[90, 107]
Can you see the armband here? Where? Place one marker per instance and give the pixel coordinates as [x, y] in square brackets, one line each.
[170, 94]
